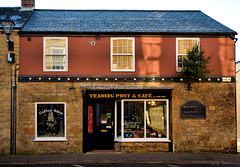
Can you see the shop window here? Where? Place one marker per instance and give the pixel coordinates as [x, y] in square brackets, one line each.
[122, 54]
[183, 46]
[145, 120]
[55, 54]
[50, 121]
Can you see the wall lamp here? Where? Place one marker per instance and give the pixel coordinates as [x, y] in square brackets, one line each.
[8, 26]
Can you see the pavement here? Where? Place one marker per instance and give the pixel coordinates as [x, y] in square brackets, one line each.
[115, 157]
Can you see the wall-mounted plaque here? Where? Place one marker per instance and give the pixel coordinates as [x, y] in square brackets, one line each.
[193, 109]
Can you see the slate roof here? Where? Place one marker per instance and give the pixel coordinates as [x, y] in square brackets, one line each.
[123, 21]
[19, 16]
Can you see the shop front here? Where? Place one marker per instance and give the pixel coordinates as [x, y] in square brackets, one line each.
[125, 119]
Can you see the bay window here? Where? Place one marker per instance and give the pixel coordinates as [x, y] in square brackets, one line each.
[142, 120]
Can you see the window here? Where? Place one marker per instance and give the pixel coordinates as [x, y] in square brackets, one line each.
[122, 54]
[50, 121]
[55, 54]
[145, 120]
[183, 45]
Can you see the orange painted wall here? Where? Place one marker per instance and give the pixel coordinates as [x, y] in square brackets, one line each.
[154, 56]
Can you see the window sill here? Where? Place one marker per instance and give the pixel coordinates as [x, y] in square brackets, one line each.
[50, 139]
[122, 70]
[55, 70]
[142, 140]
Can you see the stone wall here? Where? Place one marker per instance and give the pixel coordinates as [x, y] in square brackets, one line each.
[6, 72]
[29, 94]
[215, 133]
[141, 147]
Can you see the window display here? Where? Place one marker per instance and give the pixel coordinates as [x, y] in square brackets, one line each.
[156, 119]
[50, 120]
[133, 119]
[142, 120]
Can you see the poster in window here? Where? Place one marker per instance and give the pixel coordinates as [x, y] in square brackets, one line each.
[90, 119]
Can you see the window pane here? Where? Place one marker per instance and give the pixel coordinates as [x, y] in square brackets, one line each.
[133, 119]
[119, 65]
[114, 43]
[50, 120]
[120, 50]
[156, 118]
[125, 50]
[125, 66]
[47, 43]
[185, 50]
[190, 44]
[184, 43]
[114, 50]
[58, 42]
[48, 50]
[180, 66]
[125, 43]
[179, 58]
[130, 43]
[125, 59]
[114, 59]
[179, 43]
[180, 51]
[130, 66]
[120, 42]
[129, 50]
[194, 42]
[63, 43]
[130, 59]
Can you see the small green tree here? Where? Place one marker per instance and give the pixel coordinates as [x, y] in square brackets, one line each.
[195, 66]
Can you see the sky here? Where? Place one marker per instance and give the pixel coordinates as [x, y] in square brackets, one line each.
[226, 12]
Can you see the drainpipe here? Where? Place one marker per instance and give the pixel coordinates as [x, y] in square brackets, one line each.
[15, 109]
[11, 118]
[236, 109]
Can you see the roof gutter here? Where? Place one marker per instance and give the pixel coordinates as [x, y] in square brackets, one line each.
[107, 34]
[234, 38]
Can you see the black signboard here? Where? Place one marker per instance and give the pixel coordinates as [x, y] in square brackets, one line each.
[193, 109]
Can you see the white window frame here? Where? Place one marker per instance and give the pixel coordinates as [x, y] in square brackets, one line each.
[44, 54]
[133, 54]
[51, 138]
[177, 39]
[145, 139]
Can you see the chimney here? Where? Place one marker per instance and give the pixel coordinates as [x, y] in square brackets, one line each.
[28, 4]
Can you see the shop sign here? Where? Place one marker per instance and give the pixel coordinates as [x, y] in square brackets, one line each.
[193, 109]
[48, 111]
[125, 96]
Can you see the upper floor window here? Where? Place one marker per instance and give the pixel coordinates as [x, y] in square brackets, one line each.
[183, 45]
[122, 54]
[55, 54]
